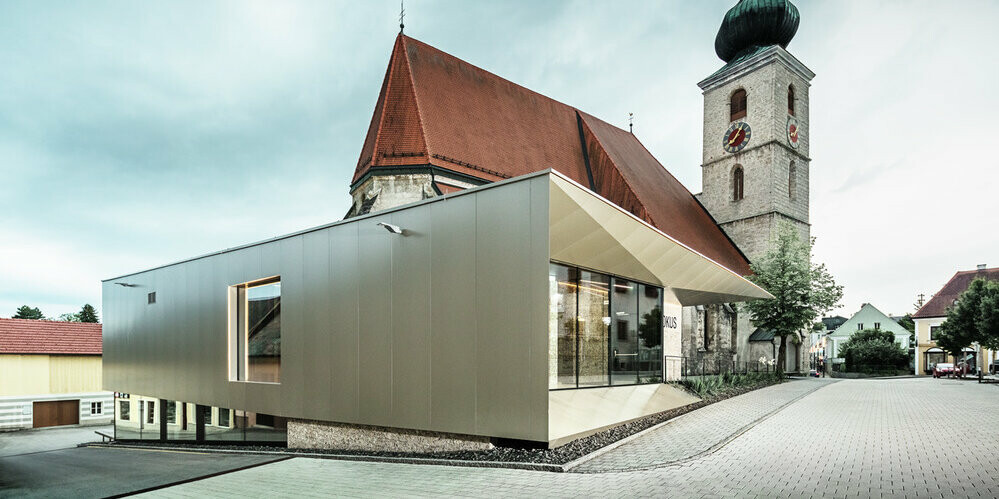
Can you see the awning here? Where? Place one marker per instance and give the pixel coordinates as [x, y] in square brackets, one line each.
[589, 231]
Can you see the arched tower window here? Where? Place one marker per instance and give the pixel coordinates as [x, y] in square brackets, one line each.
[790, 100]
[737, 183]
[737, 105]
[792, 180]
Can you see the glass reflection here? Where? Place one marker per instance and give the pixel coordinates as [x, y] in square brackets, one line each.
[562, 282]
[624, 333]
[593, 324]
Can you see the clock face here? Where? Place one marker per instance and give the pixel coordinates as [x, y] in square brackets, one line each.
[736, 137]
[792, 132]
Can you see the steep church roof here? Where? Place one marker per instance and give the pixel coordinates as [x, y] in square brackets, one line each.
[943, 299]
[435, 109]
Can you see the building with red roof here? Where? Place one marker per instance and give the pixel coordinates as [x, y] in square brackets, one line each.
[51, 374]
[933, 313]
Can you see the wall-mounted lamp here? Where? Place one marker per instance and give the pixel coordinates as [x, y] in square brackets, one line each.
[395, 229]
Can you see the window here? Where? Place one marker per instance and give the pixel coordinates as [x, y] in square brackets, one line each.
[792, 180]
[207, 416]
[737, 105]
[255, 331]
[603, 330]
[931, 357]
[224, 417]
[151, 298]
[123, 410]
[171, 409]
[877, 326]
[737, 183]
[860, 326]
[934, 331]
[150, 406]
[790, 100]
[95, 408]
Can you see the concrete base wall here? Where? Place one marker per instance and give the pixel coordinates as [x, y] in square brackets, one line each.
[323, 435]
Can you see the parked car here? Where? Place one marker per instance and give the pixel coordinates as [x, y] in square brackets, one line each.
[994, 367]
[943, 369]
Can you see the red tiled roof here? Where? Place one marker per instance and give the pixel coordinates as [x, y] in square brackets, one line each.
[436, 109]
[25, 336]
[937, 306]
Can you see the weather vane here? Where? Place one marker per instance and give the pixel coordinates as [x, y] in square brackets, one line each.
[631, 126]
[402, 16]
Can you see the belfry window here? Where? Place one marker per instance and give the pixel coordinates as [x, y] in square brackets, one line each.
[737, 184]
[790, 100]
[792, 180]
[737, 105]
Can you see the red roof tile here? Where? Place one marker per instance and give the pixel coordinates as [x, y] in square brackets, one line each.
[436, 109]
[943, 299]
[25, 336]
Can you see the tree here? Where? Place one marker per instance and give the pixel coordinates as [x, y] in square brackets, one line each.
[650, 330]
[873, 350]
[974, 318]
[69, 318]
[802, 291]
[88, 314]
[26, 312]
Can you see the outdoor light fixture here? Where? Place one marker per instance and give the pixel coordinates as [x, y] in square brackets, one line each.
[395, 229]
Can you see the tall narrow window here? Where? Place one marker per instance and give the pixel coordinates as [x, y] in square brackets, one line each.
[593, 327]
[563, 282]
[255, 331]
[790, 100]
[624, 338]
[792, 181]
[737, 181]
[737, 105]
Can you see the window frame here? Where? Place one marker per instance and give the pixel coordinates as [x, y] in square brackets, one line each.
[791, 98]
[738, 107]
[738, 183]
[237, 331]
[96, 409]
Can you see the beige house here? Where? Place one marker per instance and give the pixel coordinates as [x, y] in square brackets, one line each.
[930, 316]
[50, 374]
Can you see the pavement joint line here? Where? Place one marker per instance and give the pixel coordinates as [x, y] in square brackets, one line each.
[710, 450]
[195, 479]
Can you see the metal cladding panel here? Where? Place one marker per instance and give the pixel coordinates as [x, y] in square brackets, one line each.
[317, 323]
[375, 320]
[411, 301]
[344, 285]
[504, 334]
[453, 318]
[442, 328]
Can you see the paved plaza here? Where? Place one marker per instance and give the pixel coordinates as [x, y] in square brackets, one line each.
[850, 438]
[805, 438]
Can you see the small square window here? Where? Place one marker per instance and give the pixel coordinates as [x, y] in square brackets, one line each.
[96, 409]
[151, 298]
[223, 417]
[860, 326]
[877, 325]
[208, 416]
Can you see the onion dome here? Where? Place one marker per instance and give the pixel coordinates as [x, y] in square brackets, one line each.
[756, 23]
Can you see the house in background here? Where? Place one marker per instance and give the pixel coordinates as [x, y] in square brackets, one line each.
[868, 317]
[932, 314]
[50, 374]
[817, 349]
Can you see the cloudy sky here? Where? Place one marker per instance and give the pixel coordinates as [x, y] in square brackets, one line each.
[134, 134]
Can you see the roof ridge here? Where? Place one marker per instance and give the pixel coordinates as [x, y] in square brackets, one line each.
[34, 321]
[416, 97]
[617, 168]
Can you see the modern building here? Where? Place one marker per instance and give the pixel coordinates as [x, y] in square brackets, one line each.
[933, 313]
[511, 268]
[868, 317]
[50, 374]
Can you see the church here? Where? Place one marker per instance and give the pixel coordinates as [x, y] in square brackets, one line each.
[512, 268]
[441, 125]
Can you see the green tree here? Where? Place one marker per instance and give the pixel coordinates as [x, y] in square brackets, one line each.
[88, 314]
[973, 319]
[650, 330]
[69, 318]
[26, 312]
[802, 291]
[873, 350]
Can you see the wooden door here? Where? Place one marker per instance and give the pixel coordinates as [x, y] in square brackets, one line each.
[55, 413]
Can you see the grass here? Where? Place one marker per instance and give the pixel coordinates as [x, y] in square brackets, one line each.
[711, 385]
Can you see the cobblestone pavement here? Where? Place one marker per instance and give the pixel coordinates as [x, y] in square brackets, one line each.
[698, 431]
[890, 438]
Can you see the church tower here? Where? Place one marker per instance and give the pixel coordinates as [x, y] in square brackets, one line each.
[755, 160]
[755, 148]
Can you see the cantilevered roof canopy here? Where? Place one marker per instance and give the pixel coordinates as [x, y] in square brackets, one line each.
[589, 231]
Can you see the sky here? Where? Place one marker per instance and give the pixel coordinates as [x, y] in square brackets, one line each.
[134, 134]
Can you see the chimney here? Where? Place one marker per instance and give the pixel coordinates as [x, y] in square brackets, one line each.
[981, 266]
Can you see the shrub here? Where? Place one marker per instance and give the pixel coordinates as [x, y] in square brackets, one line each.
[873, 350]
